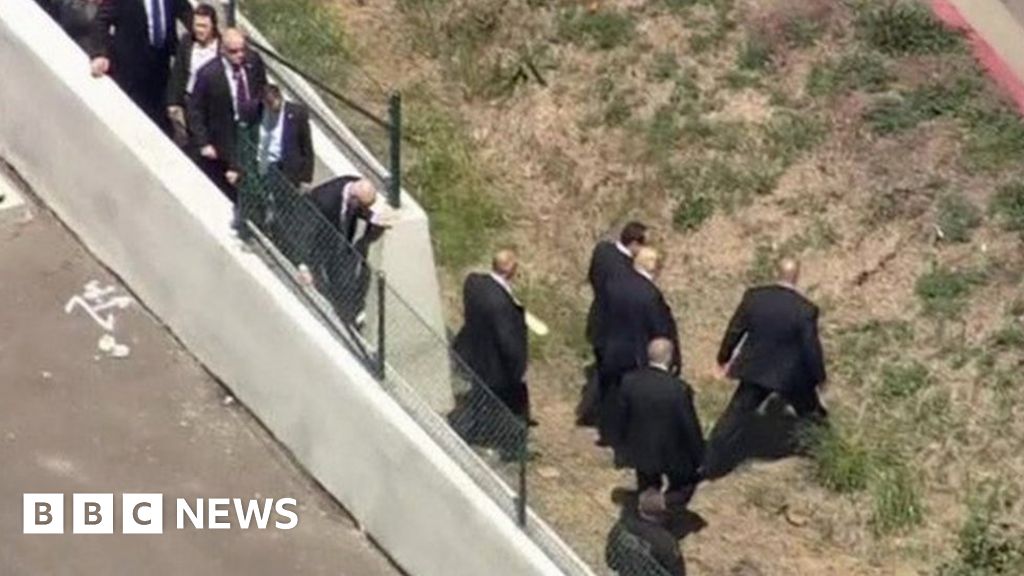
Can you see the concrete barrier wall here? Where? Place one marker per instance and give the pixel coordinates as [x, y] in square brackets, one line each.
[146, 212]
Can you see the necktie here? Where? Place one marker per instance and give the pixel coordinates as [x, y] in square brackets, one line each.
[156, 15]
[241, 91]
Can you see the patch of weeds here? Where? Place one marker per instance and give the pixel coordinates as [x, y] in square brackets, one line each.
[452, 187]
[903, 380]
[691, 211]
[562, 313]
[755, 55]
[685, 95]
[995, 139]
[723, 135]
[896, 204]
[802, 32]
[864, 345]
[986, 546]
[863, 71]
[663, 67]
[892, 114]
[741, 80]
[662, 131]
[1008, 337]
[1008, 207]
[762, 267]
[715, 32]
[840, 463]
[602, 29]
[957, 218]
[895, 491]
[617, 110]
[788, 135]
[943, 291]
[904, 27]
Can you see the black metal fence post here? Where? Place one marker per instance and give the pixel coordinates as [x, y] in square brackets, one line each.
[381, 293]
[395, 132]
[230, 10]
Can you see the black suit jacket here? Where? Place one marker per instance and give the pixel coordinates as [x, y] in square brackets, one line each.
[661, 432]
[297, 158]
[493, 340]
[211, 109]
[780, 347]
[606, 262]
[639, 547]
[634, 312]
[327, 198]
[120, 32]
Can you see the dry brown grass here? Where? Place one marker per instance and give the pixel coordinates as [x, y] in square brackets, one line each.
[859, 209]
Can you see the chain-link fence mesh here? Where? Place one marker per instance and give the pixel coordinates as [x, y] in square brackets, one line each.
[415, 363]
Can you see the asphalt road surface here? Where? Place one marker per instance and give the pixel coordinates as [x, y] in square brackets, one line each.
[97, 397]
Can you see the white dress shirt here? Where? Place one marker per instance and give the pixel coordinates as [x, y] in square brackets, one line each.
[201, 56]
[271, 133]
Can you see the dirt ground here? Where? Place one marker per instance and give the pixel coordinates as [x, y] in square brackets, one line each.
[569, 180]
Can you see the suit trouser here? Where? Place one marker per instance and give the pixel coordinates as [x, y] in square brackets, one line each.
[749, 397]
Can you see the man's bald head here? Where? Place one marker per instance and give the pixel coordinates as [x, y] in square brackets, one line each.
[789, 270]
[505, 263]
[659, 352]
[647, 260]
[364, 192]
[232, 45]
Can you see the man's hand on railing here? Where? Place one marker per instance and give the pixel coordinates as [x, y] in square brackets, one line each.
[304, 277]
[208, 152]
[176, 114]
[232, 177]
[100, 66]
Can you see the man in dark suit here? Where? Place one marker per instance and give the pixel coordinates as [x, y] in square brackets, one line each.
[635, 312]
[493, 339]
[608, 260]
[661, 433]
[224, 106]
[771, 346]
[133, 41]
[329, 235]
[196, 49]
[285, 140]
[639, 544]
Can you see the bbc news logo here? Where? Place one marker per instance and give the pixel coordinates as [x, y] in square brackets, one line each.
[144, 513]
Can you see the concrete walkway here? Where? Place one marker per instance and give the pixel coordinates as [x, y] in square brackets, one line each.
[996, 30]
[77, 418]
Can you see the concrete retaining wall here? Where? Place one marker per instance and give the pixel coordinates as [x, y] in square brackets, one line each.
[146, 212]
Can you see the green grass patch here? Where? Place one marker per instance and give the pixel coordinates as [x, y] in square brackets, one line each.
[895, 491]
[840, 463]
[563, 314]
[863, 346]
[288, 25]
[664, 66]
[1008, 207]
[986, 546]
[1009, 337]
[957, 218]
[453, 188]
[789, 134]
[858, 71]
[892, 114]
[692, 211]
[755, 55]
[904, 27]
[944, 292]
[603, 29]
[994, 139]
[903, 380]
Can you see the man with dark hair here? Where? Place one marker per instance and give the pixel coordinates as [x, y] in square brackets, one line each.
[226, 101]
[197, 48]
[285, 140]
[133, 41]
[661, 433]
[636, 313]
[771, 346]
[608, 260]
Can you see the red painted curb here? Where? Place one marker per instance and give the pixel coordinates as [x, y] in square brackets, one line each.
[993, 63]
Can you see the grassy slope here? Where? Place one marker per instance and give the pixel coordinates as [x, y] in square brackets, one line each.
[860, 138]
